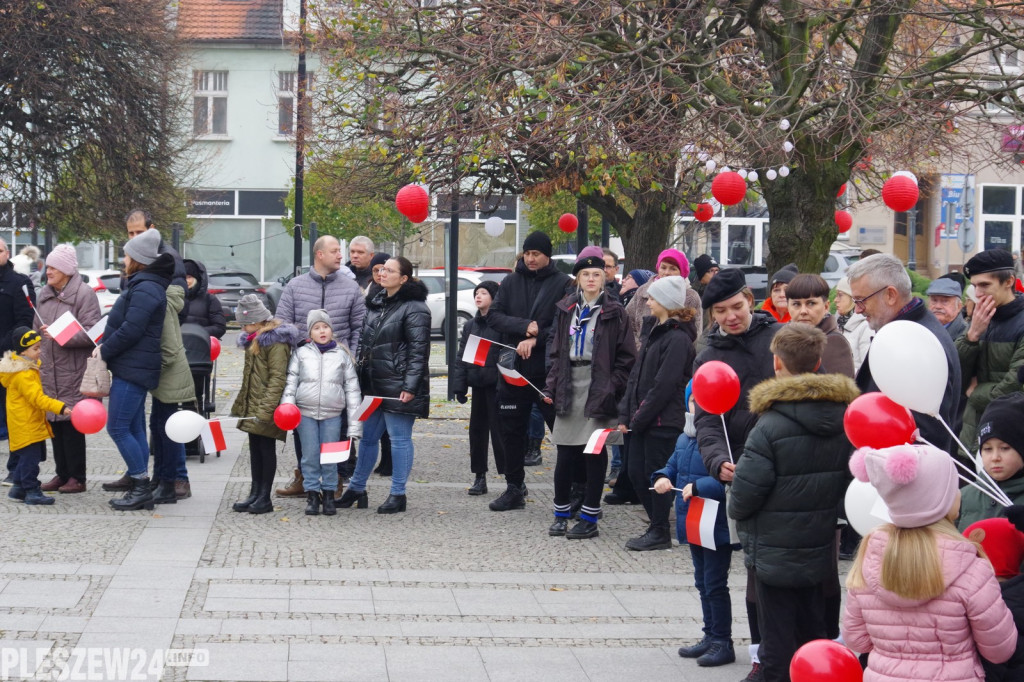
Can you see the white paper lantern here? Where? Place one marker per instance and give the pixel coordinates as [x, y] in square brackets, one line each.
[725, 169]
[771, 174]
[752, 176]
[783, 171]
[710, 166]
[784, 124]
[494, 226]
[907, 174]
[787, 146]
[742, 173]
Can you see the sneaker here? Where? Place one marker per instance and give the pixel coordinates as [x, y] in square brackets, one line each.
[695, 651]
[36, 496]
[756, 674]
[9, 481]
[719, 653]
[16, 493]
[512, 498]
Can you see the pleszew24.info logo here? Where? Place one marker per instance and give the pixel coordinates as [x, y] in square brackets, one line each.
[94, 663]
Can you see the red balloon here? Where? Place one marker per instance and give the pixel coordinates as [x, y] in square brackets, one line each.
[716, 388]
[729, 188]
[413, 202]
[844, 220]
[900, 193]
[214, 348]
[287, 417]
[704, 212]
[568, 222]
[873, 420]
[842, 190]
[89, 416]
[823, 660]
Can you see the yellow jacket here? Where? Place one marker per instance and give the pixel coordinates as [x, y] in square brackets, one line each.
[27, 405]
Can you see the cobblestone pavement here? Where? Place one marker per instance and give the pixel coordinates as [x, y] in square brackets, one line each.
[447, 590]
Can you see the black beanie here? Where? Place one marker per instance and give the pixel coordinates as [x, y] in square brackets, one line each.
[191, 269]
[491, 287]
[379, 259]
[725, 284]
[989, 261]
[24, 338]
[538, 241]
[784, 276]
[703, 263]
[1002, 420]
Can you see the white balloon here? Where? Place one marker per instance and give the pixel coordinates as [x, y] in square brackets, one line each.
[494, 226]
[752, 176]
[909, 366]
[742, 173]
[184, 426]
[784, 171]
[771, 174]
[787, 146]
[784, 124]
[907, 174]
[861, 500]
[710, 166]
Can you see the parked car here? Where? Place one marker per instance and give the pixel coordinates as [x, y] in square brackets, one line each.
[840, 257]
[437, 288]
[106, 284]
[231, 285]
[487, 273]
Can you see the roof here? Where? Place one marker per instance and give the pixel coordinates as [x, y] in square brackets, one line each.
[236, 20]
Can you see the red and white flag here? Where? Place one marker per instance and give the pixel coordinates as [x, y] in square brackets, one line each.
[700, 522]
[96, 333]
[213, 438]
[367, 407]
[513, 377]
[333, 453]
[476, 351]
[597, 441]
[24, 288]
[64, 328]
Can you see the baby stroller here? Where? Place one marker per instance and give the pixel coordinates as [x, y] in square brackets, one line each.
[197, 350]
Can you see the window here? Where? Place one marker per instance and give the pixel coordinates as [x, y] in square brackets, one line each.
[210, 114]
[287, 100]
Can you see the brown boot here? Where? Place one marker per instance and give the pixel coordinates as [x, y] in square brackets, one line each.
[121, 484]
[72, 486]
[294, 487]
[52, 485]
[182, 489]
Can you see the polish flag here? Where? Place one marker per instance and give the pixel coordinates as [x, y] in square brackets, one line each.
[64, 328]
[700, 522]
[476, 351]
[512, 376]
[96, 333]
[213, 438]
[367, 407]
[597, 440]
[24, 287]
[333, 453]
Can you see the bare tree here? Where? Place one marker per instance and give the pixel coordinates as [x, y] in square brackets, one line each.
[623, 103]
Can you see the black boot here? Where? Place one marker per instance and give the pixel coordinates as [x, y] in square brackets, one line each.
[656, 537]
[312, 503]
[154, 483]
[164, 493]
[139, 497]
[479, 486]
[122, 484]
[350, 497]
[384, 466]
[559, 527]
[328, 501]
[262, 504]
[392, 505]
[582, 530]
[243, 505]
[533, 457]
[512, 498]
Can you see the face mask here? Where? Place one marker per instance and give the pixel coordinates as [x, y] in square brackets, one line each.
[691, 428]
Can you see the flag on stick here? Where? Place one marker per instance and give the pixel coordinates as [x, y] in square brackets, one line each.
[24, 288]
[513, 377]
[476, 351]
[700, 522]
[597, 440]
[64, 328]
[96, 333]
[333, 453]
[367, 407]
[213, 438]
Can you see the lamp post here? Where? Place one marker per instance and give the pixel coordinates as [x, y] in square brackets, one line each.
[300, 137]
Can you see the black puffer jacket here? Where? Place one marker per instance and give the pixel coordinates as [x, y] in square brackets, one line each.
[201, 307]
[14, 308]
[466, 374]
[657, 384]
[394, 349]
[791, 477]
[749, 354]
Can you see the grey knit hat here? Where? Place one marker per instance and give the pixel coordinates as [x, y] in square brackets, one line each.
[317, 316]
[251, 310]
[670, 292]
[144, 248]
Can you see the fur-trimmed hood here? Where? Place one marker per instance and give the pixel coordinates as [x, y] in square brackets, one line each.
[412, 290]
[834, 388]
[281, 332]
[12, 363]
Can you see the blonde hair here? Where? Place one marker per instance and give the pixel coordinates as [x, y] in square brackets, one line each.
[911, 564]
[132, 267]
[264, 327]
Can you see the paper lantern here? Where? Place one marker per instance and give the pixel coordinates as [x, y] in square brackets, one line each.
[783, 171]
[842, 190]
[704, 212]
[729, 188]
[742, 173]
[771, 174]
[752, 176]
[784, 124]
[568, 222]
[900, 193]
[494, 226]
[844, 220]
[787, 146]
[413, 202]
[906, 174]
[710, 166]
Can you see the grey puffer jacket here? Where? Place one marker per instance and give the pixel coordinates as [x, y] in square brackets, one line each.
[337, 293]
[322, 385]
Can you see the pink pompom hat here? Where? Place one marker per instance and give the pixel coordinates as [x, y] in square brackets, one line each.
[918, 482]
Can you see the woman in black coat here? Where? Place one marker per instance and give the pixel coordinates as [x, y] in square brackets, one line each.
[201, 307]
[394, 354]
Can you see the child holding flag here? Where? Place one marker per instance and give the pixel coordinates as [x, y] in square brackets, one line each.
[322, 381]
[482, 376]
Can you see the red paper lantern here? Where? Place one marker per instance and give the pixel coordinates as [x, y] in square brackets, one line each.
[88, 416]
[413, 202]
[729, 188]
[873, 420]
[214, 348]
[704, 212]
[287, 417]
[844, 220]
[568, 222]
[716, 387]
[900, 193]
[842, 190]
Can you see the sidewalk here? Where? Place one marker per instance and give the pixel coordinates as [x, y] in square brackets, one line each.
[447, 590]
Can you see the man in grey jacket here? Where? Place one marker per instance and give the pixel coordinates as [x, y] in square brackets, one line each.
[324, 287]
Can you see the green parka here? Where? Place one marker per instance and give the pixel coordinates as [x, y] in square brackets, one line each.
[264, 376]
[977, 506]
[176, 384]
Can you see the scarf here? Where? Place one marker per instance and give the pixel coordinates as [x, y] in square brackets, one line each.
[578, 326]
[841, 320]
[327, 346]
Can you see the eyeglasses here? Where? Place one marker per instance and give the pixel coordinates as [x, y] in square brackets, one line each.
[861, 301]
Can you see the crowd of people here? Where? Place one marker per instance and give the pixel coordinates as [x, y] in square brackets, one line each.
[583, 354]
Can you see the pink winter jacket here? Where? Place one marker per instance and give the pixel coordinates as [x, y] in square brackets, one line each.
[930, 640]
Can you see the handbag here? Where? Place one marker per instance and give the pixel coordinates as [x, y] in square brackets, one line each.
[96, 380]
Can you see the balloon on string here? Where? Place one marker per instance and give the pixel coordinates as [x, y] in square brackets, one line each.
[184, 426]
[716, 387]
[413, 202]
[214, 348]
[287, 416]
[88, 416]
[729, 188]
[873, 420]
[900, 193]
[861, 498]
[704, 212]
[823, 660]
[909, 366]
[844, 221]
[568, 222]
[494, 226]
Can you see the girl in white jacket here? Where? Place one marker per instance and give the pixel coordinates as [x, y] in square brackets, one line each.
[322, 382]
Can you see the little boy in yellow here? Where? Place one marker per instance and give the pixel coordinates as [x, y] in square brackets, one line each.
[27, 406]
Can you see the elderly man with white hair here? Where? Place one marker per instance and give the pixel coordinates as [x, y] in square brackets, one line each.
[360, 253]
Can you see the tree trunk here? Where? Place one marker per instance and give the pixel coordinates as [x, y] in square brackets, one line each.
[802, 209]
[645, 233]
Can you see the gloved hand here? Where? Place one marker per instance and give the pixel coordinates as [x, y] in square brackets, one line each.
[461, 397]
[1016, 516]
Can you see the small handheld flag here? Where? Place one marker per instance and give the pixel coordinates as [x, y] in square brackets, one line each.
[597, 440]
[513, 377]
[24, 288]
[476, 351]
[333, 453]
[64, 328]
[700, 522]
[213, 438]
[367, 407]
[96, 333]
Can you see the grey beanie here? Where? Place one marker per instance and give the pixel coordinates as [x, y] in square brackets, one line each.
[144, 248]
[317, 316]
[670, 292]
[251, 310]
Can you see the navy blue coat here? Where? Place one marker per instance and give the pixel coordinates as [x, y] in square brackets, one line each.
[131, 342]
[686, 466]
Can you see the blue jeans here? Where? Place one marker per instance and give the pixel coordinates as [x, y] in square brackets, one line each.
[616, 456]
[535, 430]
[314, 433]
[399, 426]
[168, 456]
[126, 424]
[711, 576]
[26, 474]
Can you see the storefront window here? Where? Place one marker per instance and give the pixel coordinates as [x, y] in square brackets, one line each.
[1001, 200]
